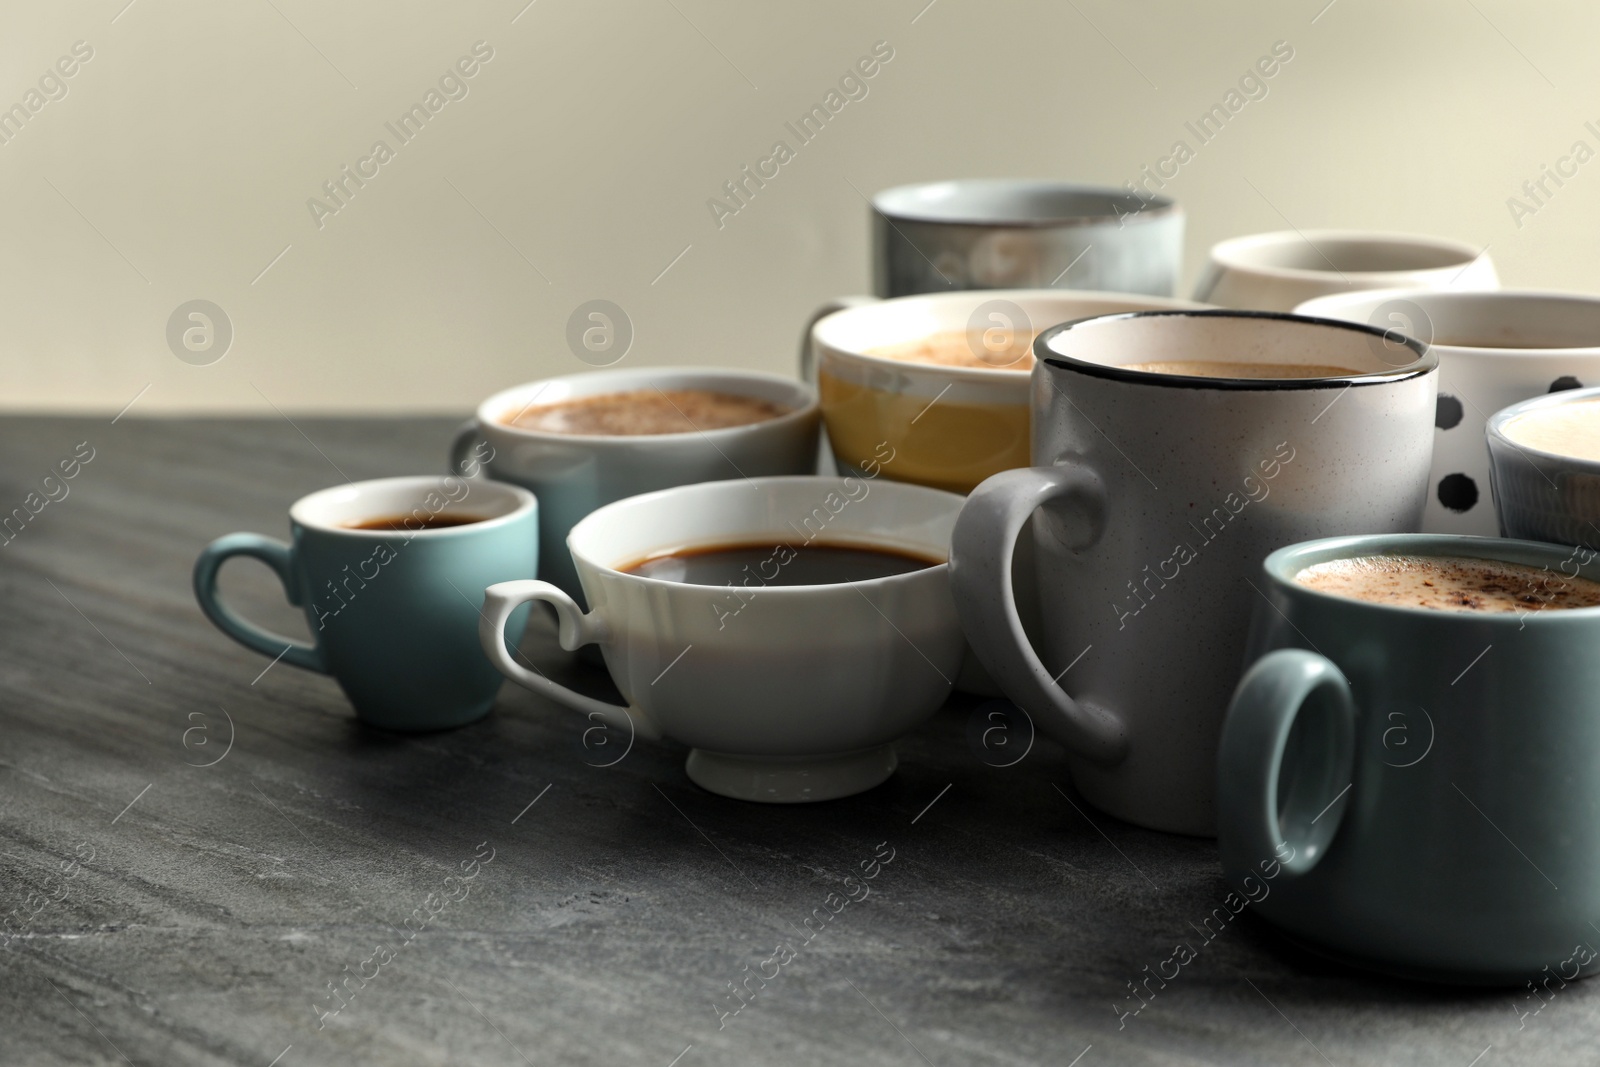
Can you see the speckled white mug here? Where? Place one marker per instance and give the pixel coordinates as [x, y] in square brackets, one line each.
[1157, 496]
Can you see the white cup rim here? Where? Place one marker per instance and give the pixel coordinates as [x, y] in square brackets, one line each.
[827, 330]
[585, 526]
[303, 512]
[805, 403]
[1235, 254]
[1336, 305]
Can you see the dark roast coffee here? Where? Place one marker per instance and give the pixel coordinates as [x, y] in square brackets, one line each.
[412, 522]
[768, 563]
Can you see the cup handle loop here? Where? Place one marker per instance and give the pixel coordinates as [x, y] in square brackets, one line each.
[466, 437]
[808, 355]
[278, 556]
[1210, 278]
[1281, 688]
[576, 630]
[982, 544]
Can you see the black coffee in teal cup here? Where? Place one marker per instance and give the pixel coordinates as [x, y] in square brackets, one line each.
[1418, 790]
[391, 574]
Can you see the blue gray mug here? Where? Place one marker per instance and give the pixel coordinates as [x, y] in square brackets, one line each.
[393, 612]
[1414, 790]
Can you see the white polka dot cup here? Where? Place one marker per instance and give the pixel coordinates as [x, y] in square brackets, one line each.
[1494, 349]
[1154, 496]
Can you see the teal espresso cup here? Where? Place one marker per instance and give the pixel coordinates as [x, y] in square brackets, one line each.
[1417, 790]
[391, 574]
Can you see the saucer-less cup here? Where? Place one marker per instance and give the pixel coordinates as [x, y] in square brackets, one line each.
[1541, 495]
[1154, 498]
[573, 474]
[1414, 790]
[946, 427]
[1494, 349]
[393, 613]
[1278, 271]
[786, 694]
[1017, 233]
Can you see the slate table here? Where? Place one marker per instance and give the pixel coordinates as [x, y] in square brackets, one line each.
[195, 850]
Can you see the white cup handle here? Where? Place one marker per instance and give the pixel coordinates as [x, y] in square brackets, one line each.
[808, 357]
[576, 630]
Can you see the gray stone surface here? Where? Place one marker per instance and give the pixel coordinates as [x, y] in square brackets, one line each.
[213, 904]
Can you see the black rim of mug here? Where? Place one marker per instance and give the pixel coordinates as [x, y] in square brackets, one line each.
[1426, 362]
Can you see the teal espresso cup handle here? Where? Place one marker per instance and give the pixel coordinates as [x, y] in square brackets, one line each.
[981, 549]
[278, 556]
[576, 630]
[1276, 801]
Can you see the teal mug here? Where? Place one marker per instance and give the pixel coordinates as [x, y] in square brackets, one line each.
[1417, 790]
[391, 574]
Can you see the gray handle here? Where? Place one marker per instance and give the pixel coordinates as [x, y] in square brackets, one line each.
[808, 357]
[466, 437]
[981, 548]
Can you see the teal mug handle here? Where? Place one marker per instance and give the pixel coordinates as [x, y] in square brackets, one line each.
[1281, 688]
[278, 556]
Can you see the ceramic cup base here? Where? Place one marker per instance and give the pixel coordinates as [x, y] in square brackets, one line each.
[403, 724]
[791, 781]
[1412, 973]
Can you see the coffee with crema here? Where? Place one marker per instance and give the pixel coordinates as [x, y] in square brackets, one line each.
[980, 350]
[1216, 368]
[1565, 430]
[412, 522]
[1451, 583]
[640, 412]
[775, 563]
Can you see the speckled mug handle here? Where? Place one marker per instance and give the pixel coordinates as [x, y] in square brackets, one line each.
[982, 545]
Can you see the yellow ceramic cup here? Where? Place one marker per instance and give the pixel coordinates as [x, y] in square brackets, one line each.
[944, 426]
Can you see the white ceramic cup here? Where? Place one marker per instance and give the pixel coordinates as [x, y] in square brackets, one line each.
[573, 474]
[1153, 498]
[1494, 349]
[785, 693]
[1278, 271]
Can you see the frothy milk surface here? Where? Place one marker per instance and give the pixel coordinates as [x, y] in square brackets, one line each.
[1009, 351]
[647, 411]
[1566, 429]
[1450, 583]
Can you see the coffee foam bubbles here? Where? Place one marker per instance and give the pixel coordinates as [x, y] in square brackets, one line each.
[1450, 583]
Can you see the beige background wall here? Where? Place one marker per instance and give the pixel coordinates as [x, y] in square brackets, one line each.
[179, 164]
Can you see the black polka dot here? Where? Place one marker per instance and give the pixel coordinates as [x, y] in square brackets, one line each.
[1565, 382]
[1458, 492]
[1447, 412]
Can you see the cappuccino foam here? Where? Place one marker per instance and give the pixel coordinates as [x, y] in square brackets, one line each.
[1450, 583]
[1565, 429]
